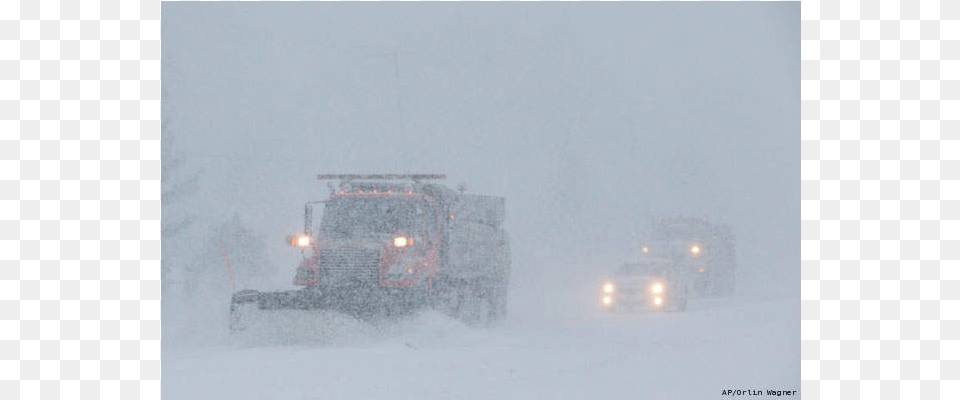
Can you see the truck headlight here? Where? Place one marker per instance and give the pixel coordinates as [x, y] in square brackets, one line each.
[608, 288]
[694, 249]
[303, 241]
[657, 288]
[400, 241]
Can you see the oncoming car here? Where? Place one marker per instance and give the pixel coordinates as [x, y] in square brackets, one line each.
[647, 285]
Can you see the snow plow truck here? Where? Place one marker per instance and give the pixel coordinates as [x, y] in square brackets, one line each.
[390, 243]
[703, 255]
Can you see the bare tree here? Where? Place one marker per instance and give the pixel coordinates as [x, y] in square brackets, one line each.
[177, 184]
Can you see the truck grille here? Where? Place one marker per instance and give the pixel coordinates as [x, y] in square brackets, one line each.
[348, 264]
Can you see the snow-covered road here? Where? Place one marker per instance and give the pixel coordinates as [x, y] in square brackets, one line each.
[693, 355]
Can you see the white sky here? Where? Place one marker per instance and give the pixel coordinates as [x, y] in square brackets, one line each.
[588, 118]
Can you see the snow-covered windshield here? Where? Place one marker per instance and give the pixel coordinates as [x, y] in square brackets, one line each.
[681, 232]
[675, 240]
[637, 269]
[364, 217]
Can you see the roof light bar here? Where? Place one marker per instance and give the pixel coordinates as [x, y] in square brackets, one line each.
[415, 177]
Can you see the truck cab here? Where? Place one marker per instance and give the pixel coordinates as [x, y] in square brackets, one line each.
[396, 242]
[373, 237]
[702, 252]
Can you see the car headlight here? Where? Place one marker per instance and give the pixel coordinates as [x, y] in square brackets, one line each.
[657, 288]
[608, 288]
[658, 301]
[400, 241]
[607, 300]
[694, 249]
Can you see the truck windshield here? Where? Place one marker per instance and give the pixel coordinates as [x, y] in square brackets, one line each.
[366, 217]
[641, 269]
[678, 237]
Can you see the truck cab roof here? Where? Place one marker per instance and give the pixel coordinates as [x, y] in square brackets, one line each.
[647, 267]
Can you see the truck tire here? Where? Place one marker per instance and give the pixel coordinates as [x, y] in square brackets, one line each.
[462, 301]
[475, 301]
[681, 304]
[446, 297]
[499, 306]
[701, 287]
[498, 300]
[729, 283]
[240, 304]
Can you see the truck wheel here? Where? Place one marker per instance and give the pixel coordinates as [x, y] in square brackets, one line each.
[493, 297]
[446, 298]
[498, 301]
[702, 287]
[240, 304]
[682, 304]
[236, 319]
[488, 309]
[499, 306]
[475, 302]
[729, 283]
[468, 306]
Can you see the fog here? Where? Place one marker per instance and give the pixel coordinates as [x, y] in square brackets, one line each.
[590, 119]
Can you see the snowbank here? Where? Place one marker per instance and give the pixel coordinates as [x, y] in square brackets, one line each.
[715, 345]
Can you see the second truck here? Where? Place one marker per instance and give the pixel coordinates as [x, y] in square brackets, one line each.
[679, 258]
